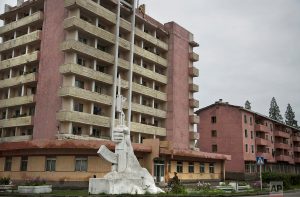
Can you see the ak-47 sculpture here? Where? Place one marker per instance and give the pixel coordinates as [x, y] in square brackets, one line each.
[127, 176]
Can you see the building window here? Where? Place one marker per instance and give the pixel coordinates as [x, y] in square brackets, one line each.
[214, 133]
[202, 168]
[179, 167]
[246, 133]
[79, 84]
[211, 168]
[98, 89]
[246, 147]
[191, 167]
[251, 134]
[77, 131]
[78, 107]
[213, 119]
[247, 167]
[81, 61]
[252, 148]
[50, 164]
[96, 132]
[97, 110]
[81, 164]
[7, 165]
[250, 120]
[24, 161]
[83, 40]
[214, 148]
[245, 119]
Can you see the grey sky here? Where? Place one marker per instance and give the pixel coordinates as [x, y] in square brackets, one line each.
[249, 49]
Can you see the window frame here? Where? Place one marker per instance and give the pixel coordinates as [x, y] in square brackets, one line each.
[179, 167]
[81, 167]
[52, 166]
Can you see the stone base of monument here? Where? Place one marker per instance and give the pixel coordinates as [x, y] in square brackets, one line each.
[116, 186]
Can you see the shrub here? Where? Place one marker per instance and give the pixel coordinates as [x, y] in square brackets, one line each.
[4, 181]
[35, 182]
[287, 179]
[203, 186]
[178, 188]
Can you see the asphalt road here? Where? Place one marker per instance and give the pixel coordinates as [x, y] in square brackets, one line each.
[290, 194]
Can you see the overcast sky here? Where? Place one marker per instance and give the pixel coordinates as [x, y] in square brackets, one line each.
[249, 49]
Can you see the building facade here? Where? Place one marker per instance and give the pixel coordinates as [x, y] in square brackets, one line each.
[245, 135]
[58, 68]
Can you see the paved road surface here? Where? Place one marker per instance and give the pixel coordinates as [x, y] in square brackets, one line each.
[294, 194]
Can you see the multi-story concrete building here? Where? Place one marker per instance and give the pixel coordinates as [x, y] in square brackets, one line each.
[245, 135]
[58, 69]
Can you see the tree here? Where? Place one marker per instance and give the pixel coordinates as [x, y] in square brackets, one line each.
[274, 111]
[290, 116]
[247, 105]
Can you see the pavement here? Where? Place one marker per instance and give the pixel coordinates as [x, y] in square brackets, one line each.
[285, 194]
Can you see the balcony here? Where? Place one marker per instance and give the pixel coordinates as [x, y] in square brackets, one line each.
[111, 17]
[160, 44]
[281, 146]
[149, 74]
[22, 59]
[148, 110]
[297, 149]
[193, 87]
[262, 128]
[193, 71]
[32, 77]
[21, 41]
[194, 135]
[267, 156]
[86, 72]
[283, 158]
[194, 119]
[149, 92]
[261, 141]
[297, 159]
[16, 122]
[73, 45]
[147, 129]
[194, 103]
[194, 57]
[85, 95]
[150, 56]
[29, 20]
[92, 7]
[16, 138]
[296, 138]
[16, 101]
[83, 118]
[282, 134]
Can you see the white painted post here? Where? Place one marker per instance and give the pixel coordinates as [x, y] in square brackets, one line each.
[115, 73]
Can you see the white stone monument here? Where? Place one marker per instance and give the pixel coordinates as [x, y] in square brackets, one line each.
[127, 175]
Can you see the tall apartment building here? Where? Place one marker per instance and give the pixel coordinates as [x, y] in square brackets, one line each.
[58, 68]
[245, 135]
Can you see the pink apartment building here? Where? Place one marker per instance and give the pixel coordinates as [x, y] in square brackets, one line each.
[245, 134]
[57, 80]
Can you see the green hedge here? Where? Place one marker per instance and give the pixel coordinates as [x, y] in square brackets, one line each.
[287, 179]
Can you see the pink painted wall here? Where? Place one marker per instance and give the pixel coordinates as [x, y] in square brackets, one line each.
[248, 156]
[177, 123]
[49, 78]
[229, 134]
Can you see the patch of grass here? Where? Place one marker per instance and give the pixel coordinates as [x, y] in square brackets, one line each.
[70, 192]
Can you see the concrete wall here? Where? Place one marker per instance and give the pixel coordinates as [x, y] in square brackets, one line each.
[49, 78]
[178, 87]
[229, 134]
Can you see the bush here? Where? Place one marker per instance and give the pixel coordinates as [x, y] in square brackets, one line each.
[35, 182]
[287, 179]
[178, 188]
[4, 181]
[203, 186]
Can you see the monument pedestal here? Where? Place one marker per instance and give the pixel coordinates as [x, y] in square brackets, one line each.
[115, 186]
